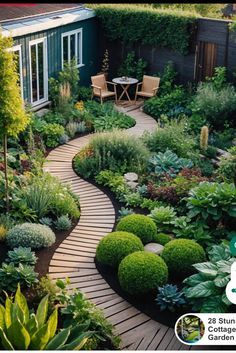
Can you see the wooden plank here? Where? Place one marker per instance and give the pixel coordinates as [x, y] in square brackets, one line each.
[100, 300]
[87, 279]
[61, 250]
[86, 244]
[158, 337]
[110, 303]
[79, 247]
[100, 293]
[91, 289]
[116, 308]
[71, 264]
[166, 339]
[123, 315]
[131, 323]
[72, 258]
[71, 274]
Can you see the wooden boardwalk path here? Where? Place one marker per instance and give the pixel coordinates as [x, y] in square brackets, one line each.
[74, 258]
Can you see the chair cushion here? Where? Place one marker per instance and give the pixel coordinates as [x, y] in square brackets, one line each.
[105, 94]
[145, 94]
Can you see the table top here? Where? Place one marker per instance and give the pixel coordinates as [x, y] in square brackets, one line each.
[125, 81]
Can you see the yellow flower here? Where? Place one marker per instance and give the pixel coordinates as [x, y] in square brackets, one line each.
[3, 233]
[79, 105]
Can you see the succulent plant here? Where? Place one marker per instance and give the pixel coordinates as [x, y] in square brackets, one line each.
[21, 255]
[169, 298]
[63, 223]
[47, 221]
[10, 276]
[163, 217]
[125, 212]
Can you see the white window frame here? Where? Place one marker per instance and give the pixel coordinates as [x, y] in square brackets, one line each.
[14, 49]
[45, 71]
[68, 34]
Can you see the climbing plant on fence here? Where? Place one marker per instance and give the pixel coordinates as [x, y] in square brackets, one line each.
[147, 26]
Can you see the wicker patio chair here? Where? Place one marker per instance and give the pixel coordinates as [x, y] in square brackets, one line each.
[100, 89]
[149, 87]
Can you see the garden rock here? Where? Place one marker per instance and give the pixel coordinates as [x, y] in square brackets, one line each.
[131, 177]
[132, 184]
[154, 248]
[42, 112]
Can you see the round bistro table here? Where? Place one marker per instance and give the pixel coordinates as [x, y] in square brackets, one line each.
[125, 84]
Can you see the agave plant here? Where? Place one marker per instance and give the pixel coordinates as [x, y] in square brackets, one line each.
[22, 330]
[21, 255]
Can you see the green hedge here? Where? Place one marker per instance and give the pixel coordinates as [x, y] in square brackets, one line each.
[147, 26]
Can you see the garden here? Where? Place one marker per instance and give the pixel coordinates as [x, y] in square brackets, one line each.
[173, 191]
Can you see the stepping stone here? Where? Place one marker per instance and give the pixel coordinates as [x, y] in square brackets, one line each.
[154, 248]
[131, 177]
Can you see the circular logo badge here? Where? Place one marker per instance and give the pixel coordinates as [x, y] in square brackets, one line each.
[189, 329]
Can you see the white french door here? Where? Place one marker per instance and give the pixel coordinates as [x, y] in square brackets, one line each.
[38, 71]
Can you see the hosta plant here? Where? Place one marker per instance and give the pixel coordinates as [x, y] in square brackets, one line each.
[206, 289]
[169, 297]
[21, 329]
[11, 275]
[168, 163]
[213, 202]
[21, 255]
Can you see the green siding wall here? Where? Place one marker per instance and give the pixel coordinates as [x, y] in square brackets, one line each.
[89, 51]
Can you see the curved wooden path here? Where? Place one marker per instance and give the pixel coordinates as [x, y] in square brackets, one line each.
[74, 258]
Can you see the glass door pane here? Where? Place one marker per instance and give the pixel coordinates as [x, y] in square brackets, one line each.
[34, 73]
[40, 71]
[65, 49]
[78, 48]
[72, 46]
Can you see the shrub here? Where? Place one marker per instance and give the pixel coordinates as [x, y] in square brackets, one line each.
[166, 104]
[170, 298]
[140, 225]
[115, 246]
[163, 216]
[173, 136]
[132, 67]
[52, 134]
[162, 238]
[84, 93]
[113, 120]
[21, 255]
[63, 223]
[181, 254]
[115, 151]
[217, 105]
[227, 168]
[72, 128]
[142, 272]
[32, 235]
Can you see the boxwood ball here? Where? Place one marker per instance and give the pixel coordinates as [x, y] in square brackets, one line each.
[140, 225]
[141, 272]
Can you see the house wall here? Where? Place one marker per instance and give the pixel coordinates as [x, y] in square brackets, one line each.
[208, 30]
[90, 49]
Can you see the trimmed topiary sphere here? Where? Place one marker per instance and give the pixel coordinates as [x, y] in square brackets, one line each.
[30, 235]
[162, 238]
[181, 254]
[140, 225]
[142, 272]
[117, 245]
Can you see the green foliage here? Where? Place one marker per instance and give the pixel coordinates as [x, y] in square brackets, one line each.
[133, 67]
[76, 308]
[168, 163]
[218, 106]
[227, 168]
[158, 105]
[72, 128]
[13, 118]
[63, 223]
[174, 136]
[113, 120]
[11, 275]
[142, 272]
[84, 93]
[21, 255]
[213, 202]
[163, 217]
[219, 79]
[115, 151]
[140, 225]
[114, 181]
[32, 235]
[206, 289]
[22, 330]
[162, 238]
[223, 139]
[167, 77]
[46, 195]
[133, 199]
[52, 134]
[144, 25]
[123, 212]
[169, 298]
[117, 245]
[181, 254]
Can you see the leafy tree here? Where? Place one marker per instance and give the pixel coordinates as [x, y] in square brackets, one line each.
[13, 118]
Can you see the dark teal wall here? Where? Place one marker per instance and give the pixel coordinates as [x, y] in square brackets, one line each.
[90, 51]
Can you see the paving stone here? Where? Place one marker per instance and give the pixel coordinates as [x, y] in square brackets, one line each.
[154, 248]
